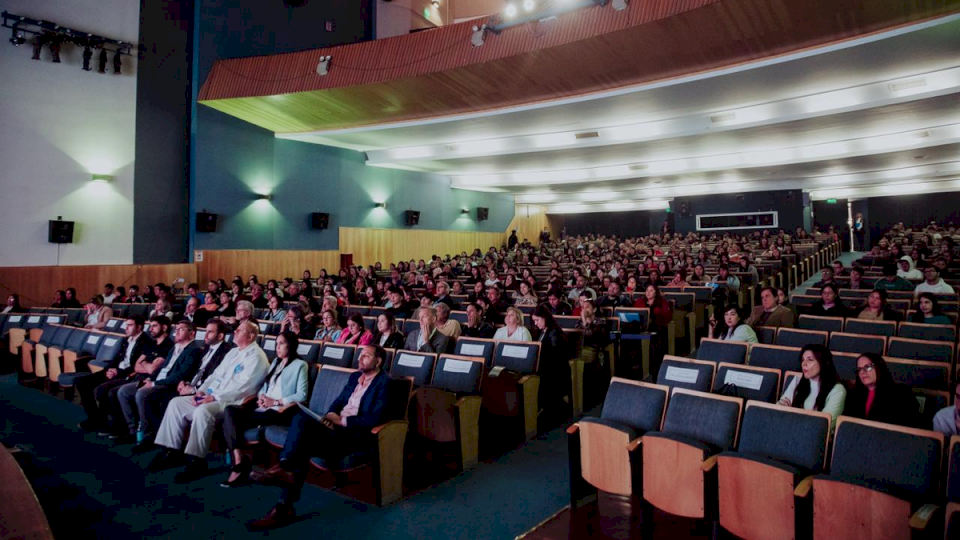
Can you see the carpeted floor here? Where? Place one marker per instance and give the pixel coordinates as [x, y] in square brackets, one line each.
[90, 488]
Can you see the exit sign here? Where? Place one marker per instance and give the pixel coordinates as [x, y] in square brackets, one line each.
[831, 201]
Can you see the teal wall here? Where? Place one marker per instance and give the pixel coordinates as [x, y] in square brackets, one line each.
[240, 160]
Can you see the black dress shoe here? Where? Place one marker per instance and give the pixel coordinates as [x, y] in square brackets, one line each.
[126, 438]
[196, 469]
[167, 459]
[242, 469]
[278, 516]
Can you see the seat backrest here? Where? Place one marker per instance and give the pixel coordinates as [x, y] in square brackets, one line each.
[61, 336]
[519, 356]
[76, 340]
[459, 374]
[794, 337]
[417, 365]
[899, 460]
[308, 351]
[632, 319]
[775, 356]
[399, 391]
[55, 319]
[916, 349]
[682, 301]
[857, 343]
[826, 324]
[749, 382]
[846, 364]
[269, 347]
[409, 325]
[109, 346]
[139, 309]
[794, 436]
[370, 323]
[337, 354]
[33, 320]
[200, 336]
[676, 372]
[13, 321]
[635, 404]
[766, 334]
[929, 332]
[731, 352]
[331, 380]
[871, 328]
[114, 324]
[566, 321]
[89, 342]
[704, 417]
[350, 310]
[46, 336]
[74, 315]
[459, 316]
[480, 347]
[920, 373]
[953, 470]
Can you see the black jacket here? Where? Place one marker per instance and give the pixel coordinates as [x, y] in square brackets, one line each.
[201, 376]
[138, 346]
[893, 404]
[372, 404]
[185, 367]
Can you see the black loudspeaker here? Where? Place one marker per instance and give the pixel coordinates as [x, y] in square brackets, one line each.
[413, 217]
[206, 222]
[61, 232]
[319, 220]
[482, 213]
[684, 209]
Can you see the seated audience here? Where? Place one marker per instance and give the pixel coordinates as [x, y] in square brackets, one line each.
[770, 312]
[513, 329]
[947, 419]
[238, 377]
[355, 332]
[826, 276]
[736, 328]
[427, 338]
[856, 280]
[679, 279]
[192, 313]
[829, 304]
[97, 315]
[556, 304]
[908, 270]
[13, 305]
[161, 308]
[495, 311]
[661, 314]
[284, 386]
[525, 296]
[330, 329]
[553, 366]
[877, 308]
[929, 311]
[294, 322]
[875, 396]
[891, 281]
[227, 306]
[932, 283]
[613, 298]
[819, 389]
[476, 326]
[275, 311]
[210, 303]
[445, 324]
[387, 335]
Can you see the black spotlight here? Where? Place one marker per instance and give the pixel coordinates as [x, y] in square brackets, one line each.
[38, 46]
[55, 50]
[102, 64]
[87, 56]
[117, 63]
[18, 37]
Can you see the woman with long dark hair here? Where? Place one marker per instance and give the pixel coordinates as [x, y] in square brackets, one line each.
[875, 395]
[819, 389]
[553, 367]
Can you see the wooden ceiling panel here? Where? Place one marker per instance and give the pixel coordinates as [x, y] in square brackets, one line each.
[438, 73]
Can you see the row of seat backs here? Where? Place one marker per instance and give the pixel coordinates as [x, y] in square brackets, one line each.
[880, 455]
[843, 342]
[851, 325]
[86, 343]
[862, 294]
[29, 321]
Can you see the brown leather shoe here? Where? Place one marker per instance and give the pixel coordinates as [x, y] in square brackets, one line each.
[278, 516]
[273, 475]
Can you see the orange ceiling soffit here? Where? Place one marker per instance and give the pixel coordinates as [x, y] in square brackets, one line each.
[439, 73]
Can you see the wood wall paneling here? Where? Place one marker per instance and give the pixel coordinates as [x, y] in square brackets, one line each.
[390, 245]
[266, 264]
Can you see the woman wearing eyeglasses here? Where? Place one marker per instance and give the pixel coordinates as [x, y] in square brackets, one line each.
[876, 396]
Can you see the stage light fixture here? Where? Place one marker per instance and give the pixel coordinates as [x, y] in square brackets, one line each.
[380, 205]
[102, 178]
[18, 38]
[117, 63]
[87, 57]
[55, 50]
[529, 5]
[476, 39]
[323, 67]
[510, 11]
[37, 47]
[264, 197]
[102, 62]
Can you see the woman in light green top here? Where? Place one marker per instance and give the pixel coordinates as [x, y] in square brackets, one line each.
[820, 388]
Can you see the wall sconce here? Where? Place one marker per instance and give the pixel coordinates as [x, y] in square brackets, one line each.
[264, 197]
[380, 205]
[464, 210]
[102, 178]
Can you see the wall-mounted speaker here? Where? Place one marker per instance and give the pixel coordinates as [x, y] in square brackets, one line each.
[61, 232]
[684, 209]
[482, 213]
[206, 222]
[413, 217]
[319, 220]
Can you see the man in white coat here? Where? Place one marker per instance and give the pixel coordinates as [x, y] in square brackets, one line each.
[239, 376]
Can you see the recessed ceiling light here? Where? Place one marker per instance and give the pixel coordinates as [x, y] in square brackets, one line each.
[722, 117]
[911, 84]
[587, 135]
[638, 166]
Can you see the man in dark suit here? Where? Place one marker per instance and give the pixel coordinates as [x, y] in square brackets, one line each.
[180, 364]
[427, 338]
[93, 388]
[193, 313]
[345, 429]
[155, 404]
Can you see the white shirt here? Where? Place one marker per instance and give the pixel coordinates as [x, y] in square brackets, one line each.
[520, 334]
[127, 361]
[939, 288]
[177, 351]
[238, 376]
[203, 363]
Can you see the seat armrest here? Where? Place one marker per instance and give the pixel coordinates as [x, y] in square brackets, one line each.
[247, 400]
[634, 444]
[803, 488]
[388, 428]
[465, 399]
[922, 517]
[710, 463]
[575, 428]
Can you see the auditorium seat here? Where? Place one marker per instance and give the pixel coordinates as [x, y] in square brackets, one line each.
[29, 350]
[50, 353]
[603, 451]
[269, 346]
[880, 475]
[109, 347]
[775, 356]
[857, 343]
[779, 447]
[928, 332]
[679, 460]
[337, 354]
[952, 513]
[826, 324]
[309, 350]
[731, 352]
[871, 328]
[677, 372]
[62, 359]
[512, 387]
[794, 337]
[416, 365]
[747, 382]
[479, 347]
[448, 410]
[766, 334]
[917, 349]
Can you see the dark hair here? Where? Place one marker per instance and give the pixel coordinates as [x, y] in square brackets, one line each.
[937, 310]
[189, 324]
[357, 318]
[293, 343]
[884, 378]
[833, 287]
[890, 269]
[221, 327]
[161, 320]
[137, 320]
[828, 377]
[883, 295]
[475, 305]
[545, 314]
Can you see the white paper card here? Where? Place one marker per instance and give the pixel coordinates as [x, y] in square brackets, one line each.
[457, 366]
[681, 375]
[33, 319]
[303, 349]
[263, 327]
[110, 342]
[471, 349]
[270, 345]
[15, 318]
[333, 352]
[201, 334]
[743, 379]
[53, 320]
[514, 352]
[91, 340]
[411, 361]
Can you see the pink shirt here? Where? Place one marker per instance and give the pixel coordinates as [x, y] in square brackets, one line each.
[353, 404]
[365, 338]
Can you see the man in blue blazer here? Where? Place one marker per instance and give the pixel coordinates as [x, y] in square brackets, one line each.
[345, 429]
[180, 364]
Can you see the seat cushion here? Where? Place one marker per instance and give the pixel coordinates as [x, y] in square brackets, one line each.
[348, 461]
[252, 435]
[631, 432]
[276, 435]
